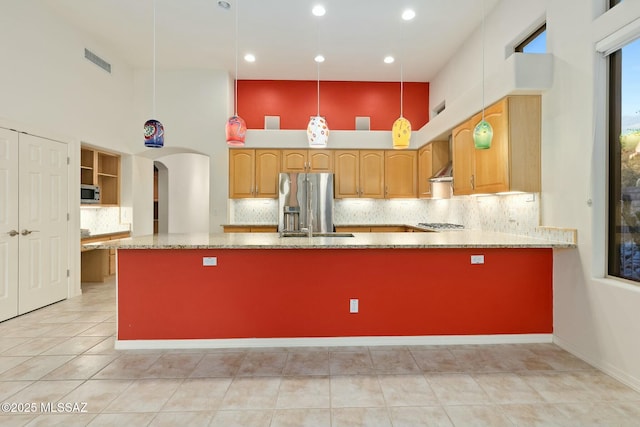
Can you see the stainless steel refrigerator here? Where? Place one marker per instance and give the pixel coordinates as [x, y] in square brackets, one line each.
[305, 198]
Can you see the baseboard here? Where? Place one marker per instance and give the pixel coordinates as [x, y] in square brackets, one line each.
[605, 367]
[333, 341]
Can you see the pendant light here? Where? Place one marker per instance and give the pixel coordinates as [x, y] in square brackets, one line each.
[483, 132]
[317, 129]
[153, 129]
[401, 130]
[236, 128]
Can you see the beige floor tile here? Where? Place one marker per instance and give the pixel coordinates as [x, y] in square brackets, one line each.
[97, 394]
[34, 368]
[436, 360]
[406, 390]
[605, 386]
[105, 346]
[198, 394]
[478, 416]
[560, 386]
[175, 365]
[16, 420]
[534, 415]
[65, 329]
[423, 416]
[360, 417]
[128, 366]
[456, 389]
[252, 393]
[394, 361]
[144, 396]
[104, 329]
[122, 419]
[190, 419]
[350, 362]
[249, 418]
[559, 359]
[262, 363]
[8, 362]
[302, 418]
[45, 391]
[304, 392]
[218, 365]
[7, 343]
[307, 363]
[507, 388]
[592, 414]
[81, 367]
[33, 347]
[74, 345]
[356, 391]
[9, 388]
[66, 420]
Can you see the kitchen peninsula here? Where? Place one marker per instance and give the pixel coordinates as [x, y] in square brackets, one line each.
[243, 289]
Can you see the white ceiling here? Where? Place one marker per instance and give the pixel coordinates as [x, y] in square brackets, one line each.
[354, 35]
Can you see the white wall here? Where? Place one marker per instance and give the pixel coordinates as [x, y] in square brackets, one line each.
[594, 317]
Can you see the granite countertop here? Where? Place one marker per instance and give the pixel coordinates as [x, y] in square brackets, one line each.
[443, 239]
[104, 235]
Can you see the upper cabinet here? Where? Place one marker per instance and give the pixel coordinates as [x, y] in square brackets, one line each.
[431, 158]
[101, 168]
[513, 161]
[307, 161]
[400, 174]
[359, 173]
[253, 173]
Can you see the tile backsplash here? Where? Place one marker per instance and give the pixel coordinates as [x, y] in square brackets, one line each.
[102, 220]
[512, 213]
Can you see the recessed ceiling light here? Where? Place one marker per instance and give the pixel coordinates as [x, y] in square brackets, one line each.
[318, 10]
[224, 4]
[319, 58]
[408, 14]
[250, 57]
[389, 59]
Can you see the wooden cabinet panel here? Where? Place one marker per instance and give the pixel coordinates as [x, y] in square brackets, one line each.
[400, 174]
[311, 160]
[320, 161]
[388, 229]
[372, 174]
[253, 173]
[347, 173]
[513, 161]
[102, 169]
[250, 229]
[431, 158]
[294, 161]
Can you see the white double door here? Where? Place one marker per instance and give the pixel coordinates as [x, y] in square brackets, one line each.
[33, 222]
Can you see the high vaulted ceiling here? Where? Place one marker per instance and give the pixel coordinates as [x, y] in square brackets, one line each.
[354, 35]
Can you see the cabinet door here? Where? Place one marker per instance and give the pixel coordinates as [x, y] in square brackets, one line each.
[347, 173]
[294, 160]
[425, 171]
[463, 158]
[241, 172]
[320, 161]
[400, 174]
[492, 165]
[372, 174]
[267, 171]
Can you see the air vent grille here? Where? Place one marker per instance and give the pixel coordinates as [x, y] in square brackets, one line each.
[97, 60]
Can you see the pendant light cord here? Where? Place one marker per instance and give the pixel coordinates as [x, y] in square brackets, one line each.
[483, 60]
[154, 60]
[318, 63]
[401, 69]
[235, 83]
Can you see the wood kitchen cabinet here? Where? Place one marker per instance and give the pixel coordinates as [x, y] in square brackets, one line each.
[250, 228]
[253, 173]
[101, 168]
[307, 161]
[431, 158]
[359, 173]
[400, 174]
[513, 161]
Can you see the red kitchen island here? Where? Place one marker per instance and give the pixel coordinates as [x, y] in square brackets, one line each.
[260, 289]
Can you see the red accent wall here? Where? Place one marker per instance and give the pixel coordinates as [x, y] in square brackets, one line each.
[168, 294]
[340, 102]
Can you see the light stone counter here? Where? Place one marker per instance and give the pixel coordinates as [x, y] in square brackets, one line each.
[444, 239]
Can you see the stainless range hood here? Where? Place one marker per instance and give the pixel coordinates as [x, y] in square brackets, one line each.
[442, 183]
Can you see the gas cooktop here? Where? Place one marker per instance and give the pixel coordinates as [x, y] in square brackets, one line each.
[441, 225]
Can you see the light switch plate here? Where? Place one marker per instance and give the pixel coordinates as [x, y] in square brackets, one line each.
[209, 261]
[477, 259]
[353, 306]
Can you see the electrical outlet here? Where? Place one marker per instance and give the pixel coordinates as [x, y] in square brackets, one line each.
[477, 259]
[353, 306]
[209, 261]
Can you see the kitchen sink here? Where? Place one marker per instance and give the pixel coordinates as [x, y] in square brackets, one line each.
[316, 234]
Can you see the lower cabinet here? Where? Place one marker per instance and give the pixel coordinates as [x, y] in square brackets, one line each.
[250, 228]
[96, 264]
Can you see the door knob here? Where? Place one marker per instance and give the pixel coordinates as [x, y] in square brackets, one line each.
[26, 232]
[12, 233]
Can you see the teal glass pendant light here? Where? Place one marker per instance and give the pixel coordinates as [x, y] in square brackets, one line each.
[483, 132]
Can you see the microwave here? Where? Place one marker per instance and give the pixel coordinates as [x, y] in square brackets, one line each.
[89, 194]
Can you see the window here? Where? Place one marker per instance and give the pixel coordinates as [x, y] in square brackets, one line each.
[624, 162]
[535, 43]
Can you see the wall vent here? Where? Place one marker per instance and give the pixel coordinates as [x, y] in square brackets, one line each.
[97, 60]
[363, 123]
[272, 122]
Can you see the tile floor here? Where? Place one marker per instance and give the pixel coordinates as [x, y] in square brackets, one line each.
[63, 354]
